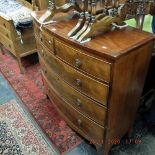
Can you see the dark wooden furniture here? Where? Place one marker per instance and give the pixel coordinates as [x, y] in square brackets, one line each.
[10, 39]
[95, 86]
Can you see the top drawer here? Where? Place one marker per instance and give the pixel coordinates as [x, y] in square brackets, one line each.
[43, 37]
[47, 40]
[86, 63]
[5, 32]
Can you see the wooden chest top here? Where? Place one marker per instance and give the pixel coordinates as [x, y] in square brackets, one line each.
[102, 45]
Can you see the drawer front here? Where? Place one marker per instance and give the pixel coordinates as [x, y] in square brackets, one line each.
[7, 43]
[86, 63]
[5, 32]
[44, 38]
[82, 103]
[47, 40]
[75, 119]
[83, 83]
[5, 23]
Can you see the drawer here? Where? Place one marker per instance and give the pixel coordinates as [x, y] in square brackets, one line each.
[88, 128]
[7, 43]
[85, 105]
[43, 38]
[47, 40]
[5, 23]
[85, 84]
[5, 32]
[86, 63]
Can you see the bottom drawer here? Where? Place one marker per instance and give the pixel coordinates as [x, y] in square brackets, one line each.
[83, 125]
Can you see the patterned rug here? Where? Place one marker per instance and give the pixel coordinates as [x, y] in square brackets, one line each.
[18, 134]
[30, 90]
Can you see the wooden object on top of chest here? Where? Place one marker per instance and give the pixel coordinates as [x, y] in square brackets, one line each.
[98, 15]
[44, 4]
[40, 4]
[96, 86]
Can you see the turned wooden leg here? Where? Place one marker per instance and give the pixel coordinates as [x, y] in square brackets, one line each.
[22, 70]
[103, 150]
[129, 132]
[47, 96]
[100, 149]
[1, 48]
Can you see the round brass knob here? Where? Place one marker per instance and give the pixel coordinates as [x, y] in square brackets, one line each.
[45, 71]
[7, 35]
[78, 82]
[41, 38]
[57, 49]
[4, 25]
[49, 42]
[78, 102]
[77, 63]
[79, 122]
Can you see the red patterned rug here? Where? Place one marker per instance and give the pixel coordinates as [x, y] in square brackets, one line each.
[29, 88]
[18, 133]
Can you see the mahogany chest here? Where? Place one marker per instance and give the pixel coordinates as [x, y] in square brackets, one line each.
[95, 86]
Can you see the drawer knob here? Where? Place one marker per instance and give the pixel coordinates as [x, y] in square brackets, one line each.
[78, 102]
[79, 122]
[49, 42]
[7, 35]
[45, 71]
[41, 39]
[78, 82]
[77, 63]
[4, 25]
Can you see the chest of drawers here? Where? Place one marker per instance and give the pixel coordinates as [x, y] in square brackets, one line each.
[95, 86]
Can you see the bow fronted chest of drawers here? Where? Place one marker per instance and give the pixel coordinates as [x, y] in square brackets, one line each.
[95, 86]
